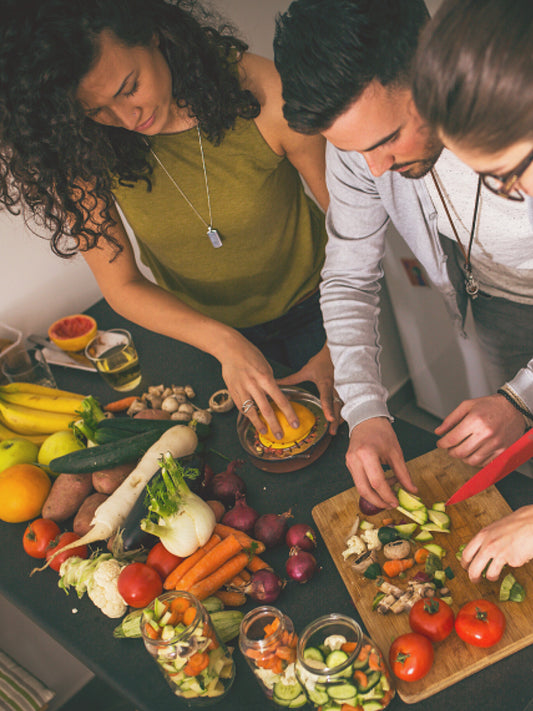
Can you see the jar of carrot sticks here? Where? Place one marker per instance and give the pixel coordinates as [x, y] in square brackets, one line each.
[268, 642]
[338, 664]
[178, 633]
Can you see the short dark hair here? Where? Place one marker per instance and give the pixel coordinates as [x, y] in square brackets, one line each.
[328, 51]
[474, 72]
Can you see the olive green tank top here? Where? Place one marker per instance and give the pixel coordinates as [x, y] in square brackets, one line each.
[273, 235]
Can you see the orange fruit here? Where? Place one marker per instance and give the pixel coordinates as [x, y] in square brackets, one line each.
[23, 491]
[290, 436]
[73, 333]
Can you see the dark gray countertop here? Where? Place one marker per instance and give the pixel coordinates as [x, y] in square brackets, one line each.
[125, 664]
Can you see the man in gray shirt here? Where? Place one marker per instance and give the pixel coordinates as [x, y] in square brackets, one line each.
[345, 67]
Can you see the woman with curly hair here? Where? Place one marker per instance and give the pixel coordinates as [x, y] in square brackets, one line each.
[143, 108]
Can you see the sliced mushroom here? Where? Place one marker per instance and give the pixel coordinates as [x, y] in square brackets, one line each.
[395, 550]
[220, 401]
[364, 561]
[189, 391]
[135, 407]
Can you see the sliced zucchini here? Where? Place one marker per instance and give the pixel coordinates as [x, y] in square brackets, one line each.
[420, 516]
[341, 692]
[405, 530]
[317, 696]
[439, 506]
[336, 658]
[437, 550]
[372, 706]
[439, 518]
[286, 692]
[298, 702]
[424, 536]
[433, 528]
[411, 502]
[313, 653]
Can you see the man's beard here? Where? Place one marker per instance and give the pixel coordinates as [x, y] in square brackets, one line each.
[423, 166]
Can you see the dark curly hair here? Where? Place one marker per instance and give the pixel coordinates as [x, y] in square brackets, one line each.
[61, 164]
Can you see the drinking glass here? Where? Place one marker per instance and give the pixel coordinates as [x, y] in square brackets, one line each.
[28, 366]
[115, 358]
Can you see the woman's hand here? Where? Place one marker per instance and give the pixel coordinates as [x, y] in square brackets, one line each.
[478, 430]
[319, 370]
[508, 541]
[250, 381]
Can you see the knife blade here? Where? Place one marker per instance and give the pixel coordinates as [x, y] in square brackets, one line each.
[505, 463]
[66, 358]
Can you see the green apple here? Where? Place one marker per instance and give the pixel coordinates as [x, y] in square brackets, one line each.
[17, 451]
[56, 445]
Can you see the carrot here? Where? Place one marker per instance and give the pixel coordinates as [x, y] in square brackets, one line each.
[421, 555]
[238, 582]
[120, 405]
[172, 579]
[364, 653]
[348, 647]
[150, 632]
[196, 664]
[349, 707]
[246, 540]
[211, 561]
[179, 605]
[387, 521]
[286, 653]
[391, 568]
[231, 598]
[361, 678]
[256, 563]
[271, 627]
[374, 662]
[227, 571]
[189, 616]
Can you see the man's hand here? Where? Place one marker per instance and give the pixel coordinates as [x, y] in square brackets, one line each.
[373, 443]
[478, 430]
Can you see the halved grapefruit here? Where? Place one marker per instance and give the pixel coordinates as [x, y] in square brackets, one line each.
[290, 436]
[73, 333]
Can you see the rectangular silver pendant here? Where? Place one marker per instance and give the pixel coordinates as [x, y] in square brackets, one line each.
[214, 238]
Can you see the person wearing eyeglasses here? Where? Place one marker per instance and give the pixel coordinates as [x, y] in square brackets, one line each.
[346, 68]
[473, 83]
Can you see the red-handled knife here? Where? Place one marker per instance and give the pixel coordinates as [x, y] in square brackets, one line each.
[504, 464]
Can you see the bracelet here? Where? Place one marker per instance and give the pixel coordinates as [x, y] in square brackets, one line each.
[524, 411]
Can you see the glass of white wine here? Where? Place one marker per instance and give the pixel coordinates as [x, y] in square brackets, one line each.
[115, 358]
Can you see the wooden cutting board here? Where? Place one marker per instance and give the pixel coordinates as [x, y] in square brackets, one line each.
[437, 476]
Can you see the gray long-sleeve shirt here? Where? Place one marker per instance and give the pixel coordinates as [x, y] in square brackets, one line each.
[361, 207]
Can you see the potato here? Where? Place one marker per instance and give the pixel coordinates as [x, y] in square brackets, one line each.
[67, 494]
[151, 413]
[106, 481]
[82, 520]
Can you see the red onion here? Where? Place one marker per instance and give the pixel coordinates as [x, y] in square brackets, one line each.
[301, 535]
[225, 485]
[241, 516]
[367, 508]
[301, 565]
[270, 528]
[264, 586]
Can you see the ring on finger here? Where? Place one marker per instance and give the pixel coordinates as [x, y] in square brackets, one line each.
[247, 405]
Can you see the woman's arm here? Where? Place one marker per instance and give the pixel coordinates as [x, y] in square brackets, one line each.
[246, 372]
[306, 153]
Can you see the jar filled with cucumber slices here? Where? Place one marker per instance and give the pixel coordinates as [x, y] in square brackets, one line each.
[338, 664]
[180, 636]
[268, 642]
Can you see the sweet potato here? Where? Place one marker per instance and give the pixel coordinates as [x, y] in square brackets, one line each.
[84, 517]
[105, 481]
[151, 413]
[67, 494]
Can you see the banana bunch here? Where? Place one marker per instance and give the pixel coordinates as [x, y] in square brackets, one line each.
[35, 411]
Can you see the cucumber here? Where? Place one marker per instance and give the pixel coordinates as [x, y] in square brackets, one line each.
[336, 658]
[372, 680]
[372, 706]
[298, 702]
[105, 456]
[341, 692]
[317, 696]
[313, 653]
[286, 692]
[121, 426]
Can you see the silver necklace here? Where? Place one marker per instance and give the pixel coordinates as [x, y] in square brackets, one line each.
[212, 233]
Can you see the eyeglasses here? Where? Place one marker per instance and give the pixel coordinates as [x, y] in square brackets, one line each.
[504, 185]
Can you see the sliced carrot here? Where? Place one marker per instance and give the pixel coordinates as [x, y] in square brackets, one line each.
[374, 662]
[360, 678]
[271, 627]
[189, 616]
[278, 666]
[349, 647]
[421, 555]
[349, 707]
[196, 664]
[391, 568]
[364, 653]
[173, 578]
[150, 632]
[120, 405]
[211, 561]
[286, 653]
[387, 521]
[221, 576]
[179, 605]
[231, 598]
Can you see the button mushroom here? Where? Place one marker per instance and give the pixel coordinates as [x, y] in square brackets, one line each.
[220, 401]
[364, 561]
[395, 550]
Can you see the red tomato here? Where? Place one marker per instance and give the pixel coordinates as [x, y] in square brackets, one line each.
[480, 623]
[138, 584]
[63, 540]
[39, 534]
[432, 618]
[162, 561]
[411, 656]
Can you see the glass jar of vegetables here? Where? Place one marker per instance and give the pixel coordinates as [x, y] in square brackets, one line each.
[338, 664]
[178, 633]
[268, 642]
